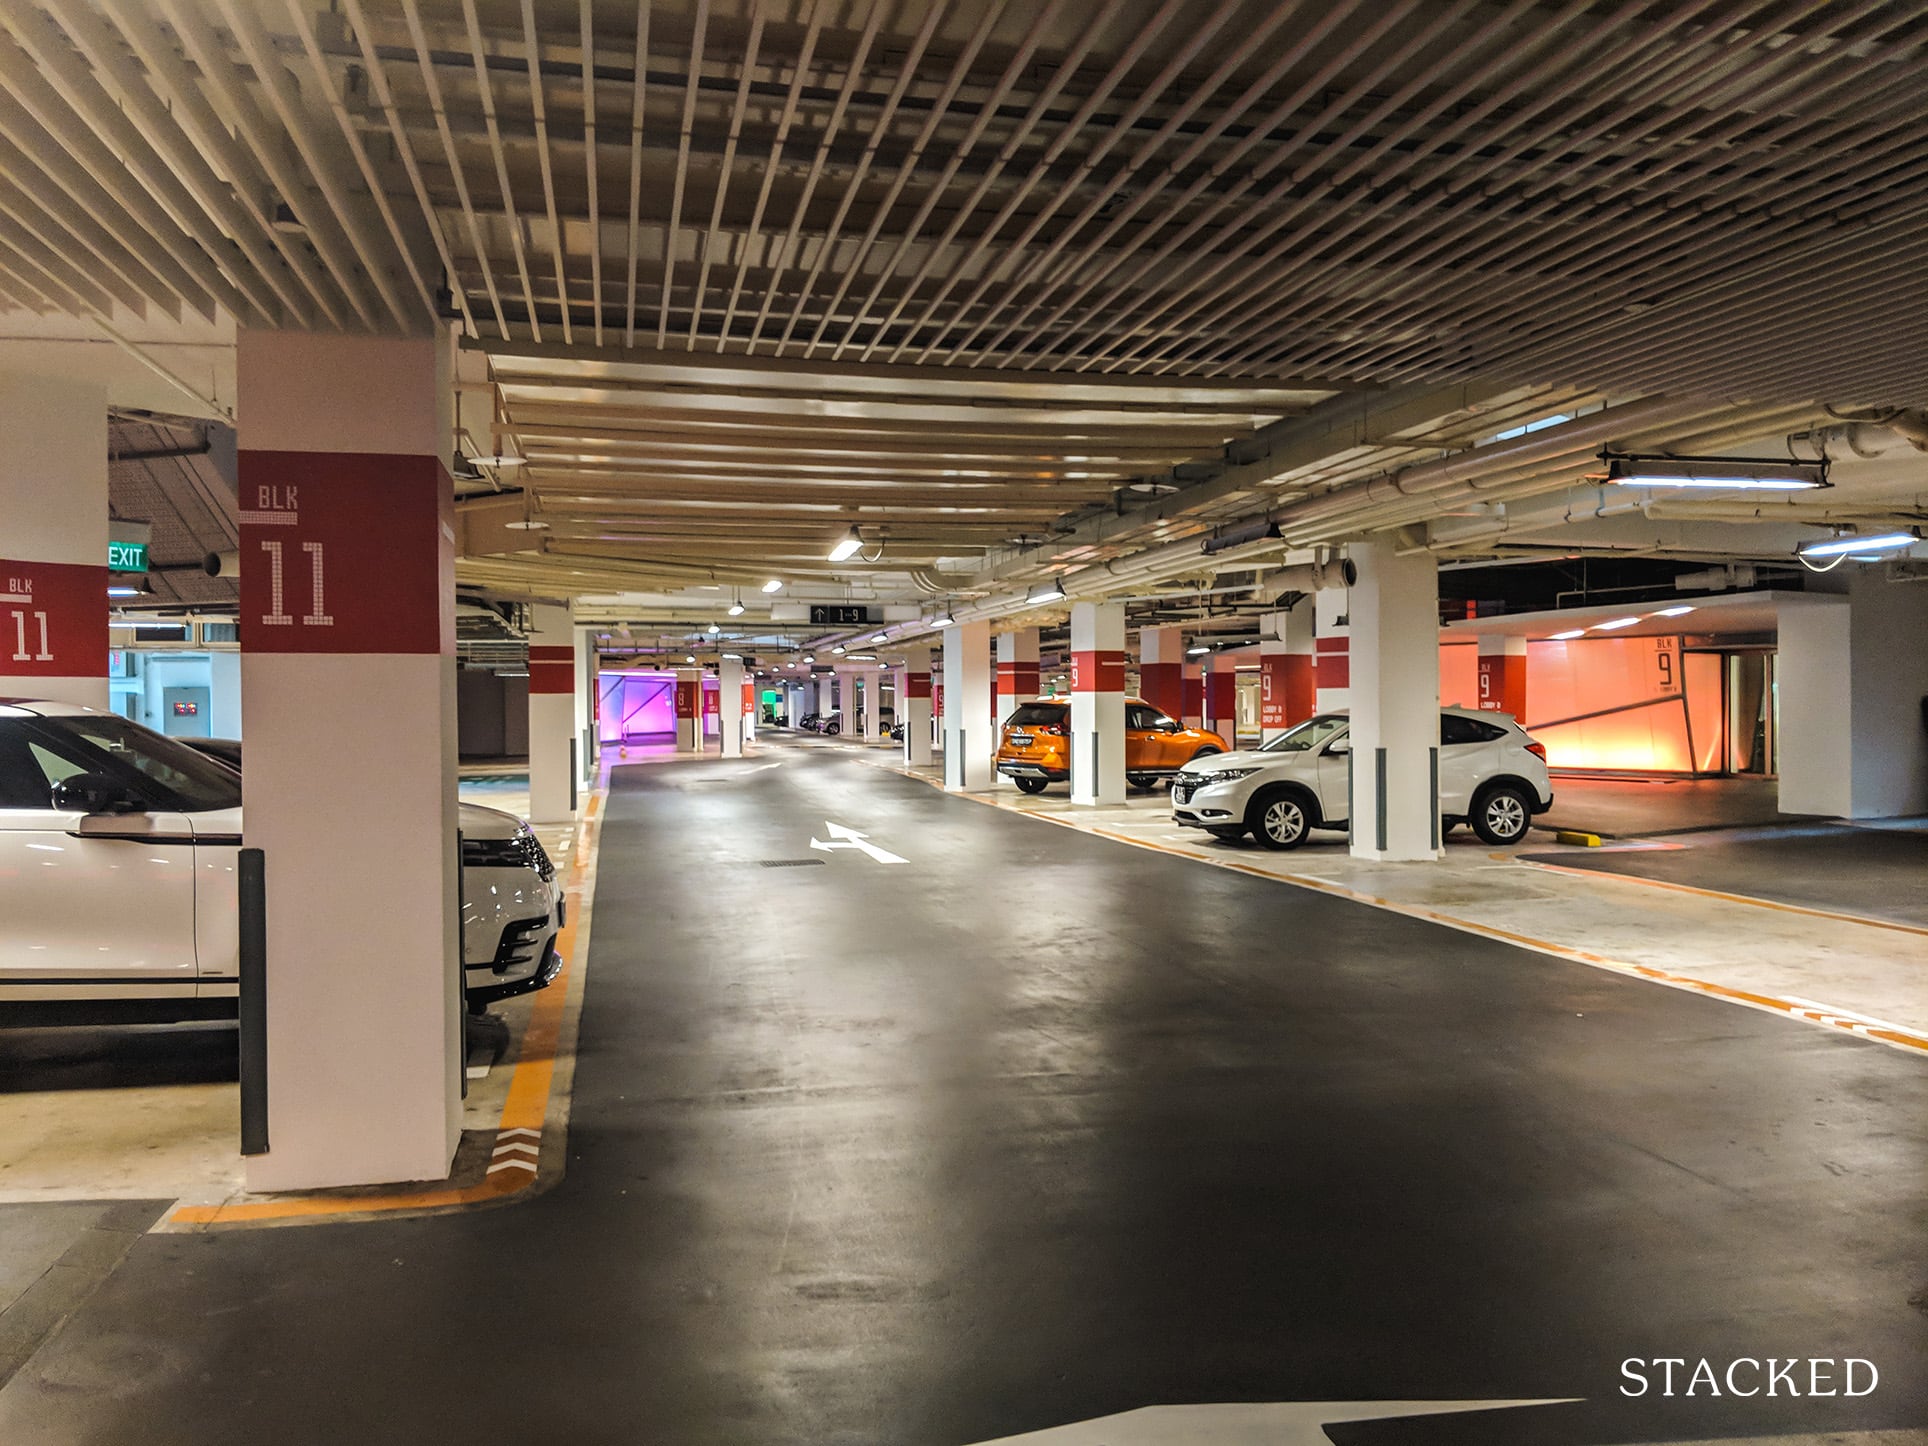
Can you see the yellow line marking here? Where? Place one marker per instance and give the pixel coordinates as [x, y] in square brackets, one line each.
[1825, 1018]
[525, 1109]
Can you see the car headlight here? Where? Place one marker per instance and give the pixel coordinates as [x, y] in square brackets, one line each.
[1226, 775]
[523, 851]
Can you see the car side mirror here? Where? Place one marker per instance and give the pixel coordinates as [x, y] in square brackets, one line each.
[1168, 725]
[1338, 748]
[93, 793]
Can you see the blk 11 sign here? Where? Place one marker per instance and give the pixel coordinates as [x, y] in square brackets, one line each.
[53, 620]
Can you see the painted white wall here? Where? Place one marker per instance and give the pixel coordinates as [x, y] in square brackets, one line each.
[1889, 669]
[1816, 713]
[1395, 701]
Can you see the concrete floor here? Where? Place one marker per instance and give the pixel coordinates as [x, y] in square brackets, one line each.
[1651, 807]
[1034, 1128]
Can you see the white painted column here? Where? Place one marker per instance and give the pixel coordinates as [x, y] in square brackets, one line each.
[588, 746]
[1161, 669]
[1286, 689]
[1852, 674]
[1331, 647]
[1097, 703]
[914, 706]
[729, 687]
[348, 653]
[1394, 682]
[827, 694]
[552, 713]
[969, 745]
[689, 710]
[873, 705]
[53, 539]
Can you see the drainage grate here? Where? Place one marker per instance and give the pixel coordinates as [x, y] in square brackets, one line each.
[788, 863]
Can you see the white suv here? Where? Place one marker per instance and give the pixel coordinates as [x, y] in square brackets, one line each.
[1491, 775]
[117, 861]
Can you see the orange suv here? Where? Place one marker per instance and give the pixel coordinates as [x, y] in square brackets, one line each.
[1035, 748]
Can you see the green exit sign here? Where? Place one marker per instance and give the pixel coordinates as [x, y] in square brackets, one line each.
[127, 557]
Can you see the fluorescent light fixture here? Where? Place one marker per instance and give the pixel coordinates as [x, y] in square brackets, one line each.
[528, 524]
[1046, 592]
[1675, 612]
[1194, 652]
[501, 461]
[716, 628]
[1567, 636]
[881, 638]
[1613, 623]
[736, 609]
[847, 545]
[1717, 474]
[123, 592]
[689, 657]
[773, 585]
[838, 648]
[942, 620]
[1853, 544]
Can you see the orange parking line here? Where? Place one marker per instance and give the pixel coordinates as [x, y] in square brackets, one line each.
[526, 1107]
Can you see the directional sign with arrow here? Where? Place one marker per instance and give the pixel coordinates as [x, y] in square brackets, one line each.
[1282, 1423]
[850, 838]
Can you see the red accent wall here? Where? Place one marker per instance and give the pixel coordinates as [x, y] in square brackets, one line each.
[365, 546]
[917, 685]
[1163, 686]
[1194, 700]
[53, 620]
[1221, 698]
[1502, 683]
[687, 691]
[1333, 660]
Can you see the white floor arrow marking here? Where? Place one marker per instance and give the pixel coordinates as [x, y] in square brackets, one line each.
[1283, 1423]
[850, 838]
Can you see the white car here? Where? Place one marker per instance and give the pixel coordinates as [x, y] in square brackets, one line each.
[1491, 775]
[117, 868]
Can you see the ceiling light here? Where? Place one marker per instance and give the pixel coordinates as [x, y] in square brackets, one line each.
[528, 524]
[1718, 474]
[716, 628]
[847, 545]
[689, 657]
[1854, 543]
[838, 648]
[1608, 627]
[881, 638]
[501, 461]
[1675, 612]
[1567, 637]
[773, 585]
[942, 620]
[1194, 652]
[736, 607]
[1046, 592]
[123, 592]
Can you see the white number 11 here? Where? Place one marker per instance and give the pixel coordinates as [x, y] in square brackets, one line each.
[318, 615]
[20, 653]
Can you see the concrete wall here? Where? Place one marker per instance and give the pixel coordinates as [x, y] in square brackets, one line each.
[1889, 668]
[491, 715]
[1815, 712]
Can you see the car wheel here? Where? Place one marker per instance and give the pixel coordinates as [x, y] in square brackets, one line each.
[1029, 785]
[1226, 835]
[1206, 752]
[1141, 780]
[1502, 814]
[1280, 820]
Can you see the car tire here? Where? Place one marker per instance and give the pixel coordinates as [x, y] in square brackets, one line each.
[1206, 752]
[1141, 780]
[1029, 785]
[1280, 818]
[1502, 814]
[1226, 835]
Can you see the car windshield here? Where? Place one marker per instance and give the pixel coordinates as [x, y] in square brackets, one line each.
[158, 768]
[1035, 715]
[1313, 733]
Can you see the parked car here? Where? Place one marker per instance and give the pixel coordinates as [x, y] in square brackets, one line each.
[1034, 748]
[1491, 775]
[831, 724]
[82, 792]
[810, 722]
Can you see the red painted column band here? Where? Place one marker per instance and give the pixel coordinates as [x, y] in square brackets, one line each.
[1163, 686]
[1100, 671]
[1194, 699]
[1018, 679]
[53, 620]
[686, 697]
[1502, 683]
[917, 685]
[1285, 690]
[1334, 662]
[316, 578]
[552, 668]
